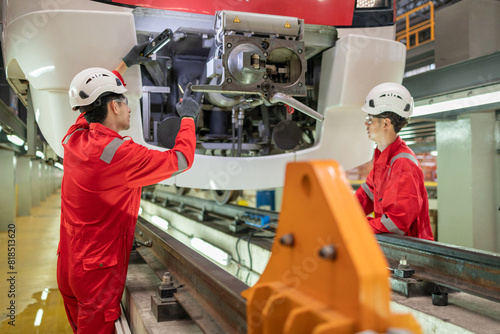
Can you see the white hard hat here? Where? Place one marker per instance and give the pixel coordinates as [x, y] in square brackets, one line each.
[89, 84]
[389, 96]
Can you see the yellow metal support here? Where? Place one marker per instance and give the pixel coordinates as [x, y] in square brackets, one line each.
[326, 273]
[414, 30]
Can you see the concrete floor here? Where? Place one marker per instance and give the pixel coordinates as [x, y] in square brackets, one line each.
[35, 288]
[464, 314]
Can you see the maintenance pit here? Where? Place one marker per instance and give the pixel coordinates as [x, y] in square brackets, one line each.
[216, 306]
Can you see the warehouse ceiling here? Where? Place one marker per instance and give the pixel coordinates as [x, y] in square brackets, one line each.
[420, 133]
[404, 6]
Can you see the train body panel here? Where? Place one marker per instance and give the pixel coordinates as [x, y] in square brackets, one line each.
[331, 12]
[267, 98]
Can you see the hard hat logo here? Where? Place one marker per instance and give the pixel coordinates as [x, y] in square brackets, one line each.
[88, 85]
[389, 96]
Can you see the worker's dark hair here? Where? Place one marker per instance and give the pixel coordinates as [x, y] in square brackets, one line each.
[98, 110]
[398, 122]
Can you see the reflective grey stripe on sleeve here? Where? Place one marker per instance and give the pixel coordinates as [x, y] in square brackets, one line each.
[182, 164]
[109, 151]
[406, 156]
[66, 140]
[390, 226]
[403, 155]
[367, 190]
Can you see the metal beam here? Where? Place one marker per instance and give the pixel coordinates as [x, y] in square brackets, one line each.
[11, 123]
[469, 270]
[213, 299]
[210, 295]
[460, 268]
[31, 128]
[228, 210]
[473, 73]
[14, 123]
[420, 56]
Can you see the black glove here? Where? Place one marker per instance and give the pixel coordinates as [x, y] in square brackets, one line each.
[188, 107]
[135, 57]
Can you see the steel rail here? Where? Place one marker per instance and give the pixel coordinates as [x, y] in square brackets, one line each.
[210, 295]
[468, 270]
[228, 210]
[459, 268]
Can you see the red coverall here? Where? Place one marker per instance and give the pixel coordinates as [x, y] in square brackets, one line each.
[100, 199]
[394, 190]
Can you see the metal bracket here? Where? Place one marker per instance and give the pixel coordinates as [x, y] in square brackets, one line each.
[147, 243]
[164, 305]
[146, 106]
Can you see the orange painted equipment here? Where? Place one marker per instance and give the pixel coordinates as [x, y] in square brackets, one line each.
[326, 273]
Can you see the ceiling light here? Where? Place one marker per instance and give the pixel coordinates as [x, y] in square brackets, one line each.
[419, 70]
[371, 3]
[40, 154]
[365, 3]
[160, 222]
[59, 165]
[207, 249]
[457, 104]
[15, 140]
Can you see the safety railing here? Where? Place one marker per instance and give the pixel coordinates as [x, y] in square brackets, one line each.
[411, 35]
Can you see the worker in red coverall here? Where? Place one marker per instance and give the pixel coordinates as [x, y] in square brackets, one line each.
[394, 190]
[101, 191]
